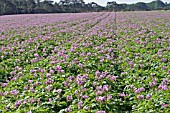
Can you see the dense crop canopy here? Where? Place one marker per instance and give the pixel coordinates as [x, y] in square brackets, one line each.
[60, 63]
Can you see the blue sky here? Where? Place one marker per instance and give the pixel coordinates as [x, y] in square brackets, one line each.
[103, 2]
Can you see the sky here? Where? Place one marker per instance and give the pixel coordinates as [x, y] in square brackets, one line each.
[104, 2]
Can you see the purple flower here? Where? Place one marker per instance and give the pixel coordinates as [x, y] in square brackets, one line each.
[122, 94]
[85, 96]
[38, 83]
[24, 102]
[4, 84]
[26, 88]
[70, 78]
[99, 92]
[165, 105]
[131, 63]
[69, 98]
[20, 74]
[148, 96]
[86, 108]
[106, 88]
[32, 90]
[164, 87]
[52, 62]
[5, 93]
[33, 71]
[65, 83]
[68, 109]
[38, 100]
[36, 55]
[100, 112]
[151, 84]
[99, 88]
[48, 75]
[61, 71]
[169, 72]
[51, 71]
[49, 81]
[59, 91]
[6, 108]
[58, 68]
[142, 89]
[101, 99]
[76, 92]
[29, 112]
[140, 97]
[113, 78]
[18, 103]
[31, 100]
[30, 81]
[139, 90]
[165, 81]
[109, 97]
[14, 92]
[131, 86]
[94, 83]
[80, 65]
[80, 105]
[163, 67]
[42, 71]
[13, 73]
[97, 73]
[164, 60]
[50, 100]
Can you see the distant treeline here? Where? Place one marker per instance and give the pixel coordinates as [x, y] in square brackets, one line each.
[73, 6]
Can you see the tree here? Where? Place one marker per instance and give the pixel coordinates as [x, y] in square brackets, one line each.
[31, 6]
[113, 6]
[141, 6]
[6, 7]
[73, 6]
[1, 7]
[154, 5]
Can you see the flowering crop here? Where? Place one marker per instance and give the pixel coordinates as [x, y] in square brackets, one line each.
[61, 63]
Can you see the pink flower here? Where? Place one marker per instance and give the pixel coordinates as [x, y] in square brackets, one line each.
[24, 102]
[18, 103]
[148, 96]
[97, 73]
[31, 100]
[59, 91]
[85, 96]
[80, 105]
[30, 81]
[14, 92]
[51, 71]
[106, 88]
[123, 94]
[101, 99]
[48, 75]
[152, 83]
[4, 84]
[165, 105]
[140, 97]
[50, 100]
[5, 93]
[100, 112]
[69, 98]
[109, 97]
[169, 72]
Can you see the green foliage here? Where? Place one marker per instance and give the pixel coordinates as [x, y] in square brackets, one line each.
[59, 67]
